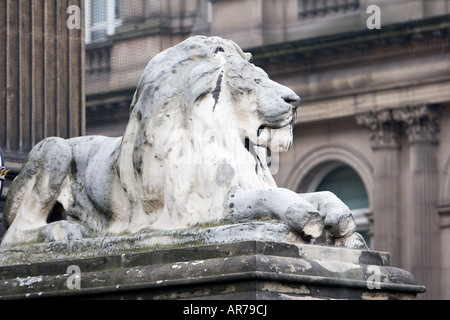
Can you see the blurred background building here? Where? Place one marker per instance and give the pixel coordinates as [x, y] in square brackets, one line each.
[374, 122]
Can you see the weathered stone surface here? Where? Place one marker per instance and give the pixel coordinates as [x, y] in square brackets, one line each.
[255, 260]
[194, 153]
[93, 247]
[236, 270]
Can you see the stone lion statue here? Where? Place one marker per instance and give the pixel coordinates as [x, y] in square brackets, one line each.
[193, 153]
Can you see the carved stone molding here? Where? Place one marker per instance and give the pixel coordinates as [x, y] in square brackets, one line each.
[385, 130]
[422, 122]
[387, 126]
[396, 41]
[310, 9]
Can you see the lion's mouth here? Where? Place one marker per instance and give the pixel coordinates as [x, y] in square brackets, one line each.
[280, 121]
[275, 133]
[276, 139]
[278, 136]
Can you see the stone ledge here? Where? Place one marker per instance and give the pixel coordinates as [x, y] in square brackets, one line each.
[101, 246]
[235, 270]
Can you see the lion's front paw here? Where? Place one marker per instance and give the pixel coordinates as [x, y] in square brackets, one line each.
[353, 241]
[339, 223]
[62, 230]
[319, 217]
[308, 223]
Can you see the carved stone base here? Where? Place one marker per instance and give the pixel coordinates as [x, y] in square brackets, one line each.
[247, 269]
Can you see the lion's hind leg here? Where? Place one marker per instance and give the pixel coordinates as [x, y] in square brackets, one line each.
[37, 197]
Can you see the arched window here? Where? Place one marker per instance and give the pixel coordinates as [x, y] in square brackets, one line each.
[346, 184]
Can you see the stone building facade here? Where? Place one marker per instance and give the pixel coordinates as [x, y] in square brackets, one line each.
[374, 122]
[41, 82]
[377, 103]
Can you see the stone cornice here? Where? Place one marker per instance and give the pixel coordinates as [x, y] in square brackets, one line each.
[413, 38]
[354, 103]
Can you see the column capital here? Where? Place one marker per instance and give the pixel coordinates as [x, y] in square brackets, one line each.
[385, 130]
[421, 121]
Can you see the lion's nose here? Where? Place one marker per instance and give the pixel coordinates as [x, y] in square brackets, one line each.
[294, 100]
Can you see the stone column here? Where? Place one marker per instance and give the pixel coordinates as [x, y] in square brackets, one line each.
[422, 225]
[41, 74]
[385, 134]
[444, 215]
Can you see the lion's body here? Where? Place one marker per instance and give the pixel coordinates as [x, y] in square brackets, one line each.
[200, 122]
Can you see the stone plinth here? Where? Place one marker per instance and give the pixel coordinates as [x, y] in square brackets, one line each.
[247, 269]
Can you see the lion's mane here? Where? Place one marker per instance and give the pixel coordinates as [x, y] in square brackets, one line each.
[181, 153]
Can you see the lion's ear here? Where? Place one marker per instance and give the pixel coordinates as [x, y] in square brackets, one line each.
[219, 49]
[248, 57]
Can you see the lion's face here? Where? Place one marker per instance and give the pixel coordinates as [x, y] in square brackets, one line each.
[264, 109]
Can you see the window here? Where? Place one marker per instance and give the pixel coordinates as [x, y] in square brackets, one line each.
[102, 18]
[346, 184]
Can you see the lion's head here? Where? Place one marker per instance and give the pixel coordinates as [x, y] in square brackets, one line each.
[201, 119]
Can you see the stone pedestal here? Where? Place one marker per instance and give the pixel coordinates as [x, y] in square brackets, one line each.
[247, 269]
